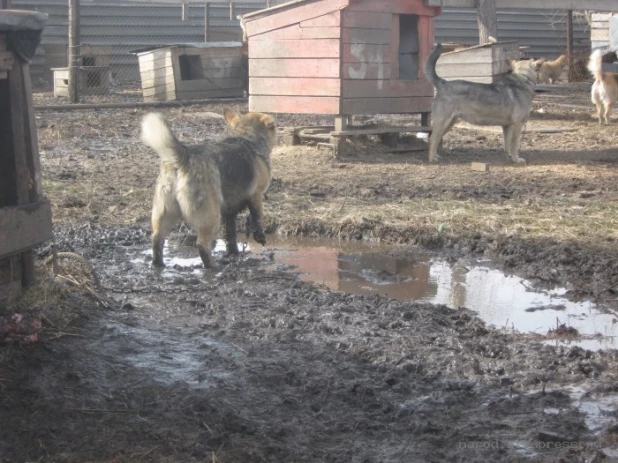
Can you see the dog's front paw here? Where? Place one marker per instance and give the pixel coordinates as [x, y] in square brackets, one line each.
[259, 237]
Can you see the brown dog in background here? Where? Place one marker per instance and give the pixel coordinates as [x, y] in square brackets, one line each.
[550, 71]
[203, 183]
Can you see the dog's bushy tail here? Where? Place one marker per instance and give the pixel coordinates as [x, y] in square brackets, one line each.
[430, 66]
[157, 134]
[595, 65]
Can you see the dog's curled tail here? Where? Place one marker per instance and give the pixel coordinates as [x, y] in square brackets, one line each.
[157, 134]
[430, 66]
[595, 65]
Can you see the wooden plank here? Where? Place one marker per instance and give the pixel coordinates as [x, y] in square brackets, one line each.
[361, 53]
[214, 93]
[295, 87]
[599, 35]
[366, 36]
[394, 6]
[317, 48]
[23, 227]
[367, 20]
[386, 89]
[162, 73]
[195, 86]
[472, 70]
[319, 68]
[20, 147]
[151, 65]
[479, 166]
[328, 20]
[152, 79]
[32, 141]
[212, 52]
[477, 56]
[261, 23]
[186, 96]
[294, 104]
[426, 34]
[395, 45]
[296, 32]
[410, 105]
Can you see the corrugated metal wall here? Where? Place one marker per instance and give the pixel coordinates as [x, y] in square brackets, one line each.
[129, 25]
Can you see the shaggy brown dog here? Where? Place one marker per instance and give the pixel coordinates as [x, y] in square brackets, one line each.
[202, 183]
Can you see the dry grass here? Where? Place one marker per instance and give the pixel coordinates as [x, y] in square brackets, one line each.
[96, 170]
[66, 287]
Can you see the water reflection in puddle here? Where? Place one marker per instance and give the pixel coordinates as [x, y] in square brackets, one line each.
[501, 300]
[504, 301]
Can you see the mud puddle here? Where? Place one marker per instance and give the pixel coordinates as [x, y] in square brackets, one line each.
[504, 301]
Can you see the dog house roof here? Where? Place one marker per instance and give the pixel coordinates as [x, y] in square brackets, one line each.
[187, 45]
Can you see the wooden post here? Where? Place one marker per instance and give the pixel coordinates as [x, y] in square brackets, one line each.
[5, 5]
[487, 20]
[569, 24]
[232, 18]
[206, 19]
[74, 51]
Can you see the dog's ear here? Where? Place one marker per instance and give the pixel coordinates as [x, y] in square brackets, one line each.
[268, 121]
[231, 117]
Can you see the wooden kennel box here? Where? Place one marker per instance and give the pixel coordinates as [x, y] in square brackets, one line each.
[482, 63]
[93, 80]
[25, 216]
[94, 73]
[342, 57]
[192, 71]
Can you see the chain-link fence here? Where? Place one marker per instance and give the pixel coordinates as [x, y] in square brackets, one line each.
[112, 29]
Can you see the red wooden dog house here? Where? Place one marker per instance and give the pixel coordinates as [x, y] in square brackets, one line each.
[341, 57]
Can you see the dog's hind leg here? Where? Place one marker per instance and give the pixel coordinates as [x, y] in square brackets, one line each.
[600, 112]
[514, 131]
[162, 225]
[205, 235]
[231, 244]
[608, 111]
[256, 216]
[439, 128]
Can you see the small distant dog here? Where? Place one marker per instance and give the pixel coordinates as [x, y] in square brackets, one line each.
[550, 71]
[203, 183]
[506, 103]
[604, 91]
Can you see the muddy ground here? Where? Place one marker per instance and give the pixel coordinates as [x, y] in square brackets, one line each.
[248, 364]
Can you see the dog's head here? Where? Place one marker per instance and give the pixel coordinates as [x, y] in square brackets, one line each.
[561, 61]
[252, 125]
[526, 68]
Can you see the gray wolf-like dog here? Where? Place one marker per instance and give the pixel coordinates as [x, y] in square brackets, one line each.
[506, 103]
[204, 183]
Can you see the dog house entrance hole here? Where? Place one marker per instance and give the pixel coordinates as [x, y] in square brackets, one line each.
[190, 67]
[409, 47]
